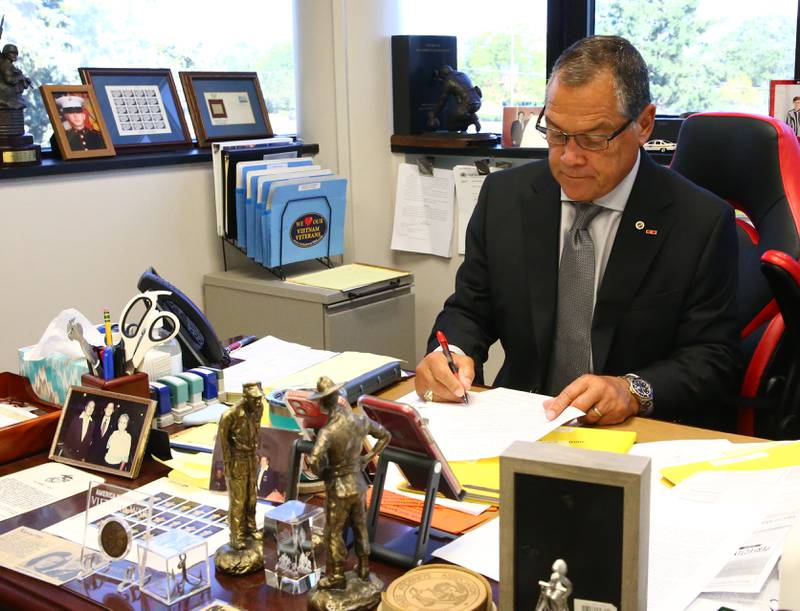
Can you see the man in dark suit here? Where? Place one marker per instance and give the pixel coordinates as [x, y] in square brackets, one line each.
[105, 427]
[657, 332]
[267, 480]
[80, 435]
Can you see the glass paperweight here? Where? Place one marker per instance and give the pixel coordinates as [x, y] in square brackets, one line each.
[173, 565]
[290, 531]
[115, 520]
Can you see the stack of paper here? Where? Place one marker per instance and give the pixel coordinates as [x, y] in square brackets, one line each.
[348, 277]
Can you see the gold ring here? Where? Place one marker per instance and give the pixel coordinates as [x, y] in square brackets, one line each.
[598, 412]
[428, 395]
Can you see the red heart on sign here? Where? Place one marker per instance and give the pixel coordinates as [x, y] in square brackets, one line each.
[308, 220]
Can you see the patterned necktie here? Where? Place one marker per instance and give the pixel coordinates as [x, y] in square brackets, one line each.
[572, 339]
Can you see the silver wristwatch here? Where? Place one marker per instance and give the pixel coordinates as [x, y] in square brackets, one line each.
[642, 391]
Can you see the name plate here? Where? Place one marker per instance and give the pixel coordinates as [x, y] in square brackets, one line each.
[11, 157]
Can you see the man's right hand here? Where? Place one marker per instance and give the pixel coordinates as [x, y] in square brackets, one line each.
[434, 374]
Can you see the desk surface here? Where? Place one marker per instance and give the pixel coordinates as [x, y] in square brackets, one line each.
[20, 592]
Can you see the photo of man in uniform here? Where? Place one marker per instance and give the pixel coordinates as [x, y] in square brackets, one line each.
[80, 135]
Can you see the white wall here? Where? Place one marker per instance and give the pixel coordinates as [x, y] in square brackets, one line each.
[357, 38]
[83, 240]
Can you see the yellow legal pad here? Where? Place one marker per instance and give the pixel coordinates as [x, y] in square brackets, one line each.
[348, 277]
[770, 456]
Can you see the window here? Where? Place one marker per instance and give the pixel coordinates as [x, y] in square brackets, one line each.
[707, 55]
[56, 37]
[502, 49]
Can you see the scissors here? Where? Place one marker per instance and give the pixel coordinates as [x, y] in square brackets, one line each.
[140, 332]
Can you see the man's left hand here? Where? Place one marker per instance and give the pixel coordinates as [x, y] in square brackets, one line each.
[605, 399]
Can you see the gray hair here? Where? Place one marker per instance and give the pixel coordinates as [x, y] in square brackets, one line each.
[582, 61]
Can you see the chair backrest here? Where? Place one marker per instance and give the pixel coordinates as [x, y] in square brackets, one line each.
[753, 162]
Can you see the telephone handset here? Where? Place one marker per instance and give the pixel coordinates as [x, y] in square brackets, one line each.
[199, 344]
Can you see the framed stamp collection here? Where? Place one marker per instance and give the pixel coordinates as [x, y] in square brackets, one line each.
[135, 110]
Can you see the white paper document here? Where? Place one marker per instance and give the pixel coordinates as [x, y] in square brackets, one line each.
[468, 185]
[270, 359]
[697, 529]
[477, 550]
[39, 486]
[423, 211]
[492, 421]
[40, 555]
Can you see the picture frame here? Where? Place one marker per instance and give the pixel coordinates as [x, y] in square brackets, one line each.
[79, 131]
[86, 441]
[519, 127]
[566, 503]
[225, 106]
[141, 105]
[784, 103]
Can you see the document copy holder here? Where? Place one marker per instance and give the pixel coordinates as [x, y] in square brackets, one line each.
[30, 436]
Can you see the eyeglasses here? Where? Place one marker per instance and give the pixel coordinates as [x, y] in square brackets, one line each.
[588, 142]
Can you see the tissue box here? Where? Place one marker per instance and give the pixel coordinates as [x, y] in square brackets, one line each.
[52, 376]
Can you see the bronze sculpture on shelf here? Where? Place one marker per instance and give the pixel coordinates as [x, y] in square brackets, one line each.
[337, 459]
[16, 148]
[554, 594]
[467, 99]
[238, 431]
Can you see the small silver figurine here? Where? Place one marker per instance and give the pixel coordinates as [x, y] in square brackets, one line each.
[554, 594]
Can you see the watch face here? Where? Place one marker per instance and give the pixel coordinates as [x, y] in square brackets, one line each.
[641, 388]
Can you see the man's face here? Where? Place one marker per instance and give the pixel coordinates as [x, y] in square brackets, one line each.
[796, 104]
[109, 409]
[593, 108]
[76, 120]
[89, 408]
[254, 397]
[264, 462]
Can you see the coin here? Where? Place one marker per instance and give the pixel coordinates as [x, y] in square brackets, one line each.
[114, 538]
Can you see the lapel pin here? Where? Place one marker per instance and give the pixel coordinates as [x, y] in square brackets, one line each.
[651, 231]
[639, 225]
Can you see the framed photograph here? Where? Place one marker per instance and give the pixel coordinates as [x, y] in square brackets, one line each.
[225, 106]
[141, 106]
[519, 124]
[79, 131]
[784, 103]
[273, 455]
[103, 431]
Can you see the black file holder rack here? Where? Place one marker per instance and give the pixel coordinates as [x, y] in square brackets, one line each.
[278, 271]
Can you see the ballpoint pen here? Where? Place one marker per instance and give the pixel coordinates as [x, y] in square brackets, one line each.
[450, 362]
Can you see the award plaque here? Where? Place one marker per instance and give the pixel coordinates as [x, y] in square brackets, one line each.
[590, 509]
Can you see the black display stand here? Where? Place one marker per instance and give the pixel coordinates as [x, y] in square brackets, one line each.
[411, 549]
[415, 547]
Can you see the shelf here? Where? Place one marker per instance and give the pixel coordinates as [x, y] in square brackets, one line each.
[52, 166]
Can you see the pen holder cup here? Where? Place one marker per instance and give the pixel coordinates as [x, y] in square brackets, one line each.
[137, 384]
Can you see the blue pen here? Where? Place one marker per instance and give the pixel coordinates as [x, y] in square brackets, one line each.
[108, 363]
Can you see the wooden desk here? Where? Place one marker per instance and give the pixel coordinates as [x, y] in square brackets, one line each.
[20, 592]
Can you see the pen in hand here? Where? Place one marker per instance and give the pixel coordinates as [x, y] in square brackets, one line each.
[450, 362]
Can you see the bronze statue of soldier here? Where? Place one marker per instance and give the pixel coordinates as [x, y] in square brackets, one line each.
[16, 147]
[337, 459]
[239, 430]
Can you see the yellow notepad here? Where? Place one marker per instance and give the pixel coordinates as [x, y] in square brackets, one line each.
[348, 277]
[771, 456]
[189, 469]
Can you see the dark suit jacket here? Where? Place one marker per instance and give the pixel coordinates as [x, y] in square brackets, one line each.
[72, 440]
[666, 308]
[267, 483]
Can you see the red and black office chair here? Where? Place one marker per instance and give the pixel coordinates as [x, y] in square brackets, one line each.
[779, 349]
[752, 162]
